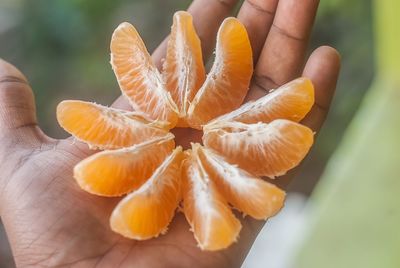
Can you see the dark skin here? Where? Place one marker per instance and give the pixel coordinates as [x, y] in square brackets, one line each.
[51, 222]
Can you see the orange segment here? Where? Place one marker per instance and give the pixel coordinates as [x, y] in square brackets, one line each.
[117, 172]
[228, 81]
[183, 68]
[104, 127]
[261, 149]
[146, 213]
[291, 101]
[138, 78]
[145, 119]
[211, 220]
[251, 195]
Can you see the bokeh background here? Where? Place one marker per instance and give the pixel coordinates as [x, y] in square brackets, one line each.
[63, 48]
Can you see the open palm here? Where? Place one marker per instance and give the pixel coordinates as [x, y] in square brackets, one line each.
[51, 222]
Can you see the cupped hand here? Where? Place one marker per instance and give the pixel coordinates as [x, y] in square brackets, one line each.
[51, 222]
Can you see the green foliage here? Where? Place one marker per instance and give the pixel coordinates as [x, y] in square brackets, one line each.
[358, 212]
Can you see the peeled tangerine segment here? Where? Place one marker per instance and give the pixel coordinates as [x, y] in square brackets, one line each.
[228, 81]
[139, 79]
[261, 149]
[144, 118]
[211, 219]
[291, 101]
[183, 67]
[105, 127]
[249, 194]
[117, 172]
[146, 212]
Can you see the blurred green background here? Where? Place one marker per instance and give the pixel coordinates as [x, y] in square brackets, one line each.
[63, 48]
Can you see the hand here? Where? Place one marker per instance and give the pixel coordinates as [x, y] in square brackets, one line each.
[51, 222]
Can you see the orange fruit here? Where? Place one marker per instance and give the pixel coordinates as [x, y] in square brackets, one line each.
[146, 212]
[144, 118]
[138, 78]
[228, 81]
[261, 149]
[211, 219]
[117, 172]
[260, 138]
[183, 67]
[249, 194]
[104, 127]
[291, 101]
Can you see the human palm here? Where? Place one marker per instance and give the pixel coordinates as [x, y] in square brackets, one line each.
[51, 222]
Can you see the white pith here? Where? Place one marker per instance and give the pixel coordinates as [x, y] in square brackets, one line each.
[184, 66]
[234, 175]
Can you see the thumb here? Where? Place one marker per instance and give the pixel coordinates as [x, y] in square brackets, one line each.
[17, 104]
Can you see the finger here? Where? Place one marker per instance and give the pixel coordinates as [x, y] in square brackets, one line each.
[207, 17]
[283, 54]
[323, 68]
[257, 16]
[17, 105]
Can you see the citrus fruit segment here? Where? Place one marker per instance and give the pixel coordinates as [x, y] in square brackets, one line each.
[117, 172]
[249, 194]
[228, 81]
[211, 219]
[144, 118]
[146, 212]
[104, 127]
[291, 101]
[183, 67]
[261, 149]
[138, 78]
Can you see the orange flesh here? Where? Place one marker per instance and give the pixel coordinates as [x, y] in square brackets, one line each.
[138, 78]
[139, 116]
[251, 195]
[117, 172]
[291, 101]
[104, 127]
[146, 212]
[211, 219]
[228, 81]
[261, 149]
[183, 68]
[261, 138]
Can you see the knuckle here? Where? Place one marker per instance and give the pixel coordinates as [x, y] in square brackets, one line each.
[287, 34]
[257, 5]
